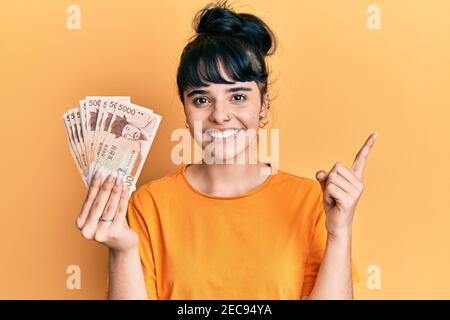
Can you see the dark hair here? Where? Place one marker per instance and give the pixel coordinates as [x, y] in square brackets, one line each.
[238, 41]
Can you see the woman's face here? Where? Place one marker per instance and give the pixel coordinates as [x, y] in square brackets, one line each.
[131, 132]
[229, 116]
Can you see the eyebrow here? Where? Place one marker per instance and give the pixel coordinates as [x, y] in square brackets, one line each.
[194, 92]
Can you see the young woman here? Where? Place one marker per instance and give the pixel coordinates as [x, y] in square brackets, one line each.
[224, 230]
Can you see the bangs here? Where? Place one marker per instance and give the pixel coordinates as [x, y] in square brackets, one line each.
[206, 60]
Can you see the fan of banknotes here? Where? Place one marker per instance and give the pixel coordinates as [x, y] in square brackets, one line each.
[110, 134]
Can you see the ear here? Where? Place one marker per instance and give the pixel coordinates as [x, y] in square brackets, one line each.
[265, 104]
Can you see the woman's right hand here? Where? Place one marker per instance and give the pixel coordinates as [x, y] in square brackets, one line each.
[103, 214]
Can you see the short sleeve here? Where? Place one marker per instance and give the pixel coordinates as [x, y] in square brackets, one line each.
[139, 207]
[317, 250]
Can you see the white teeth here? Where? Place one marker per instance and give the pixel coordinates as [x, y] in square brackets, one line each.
[218, 134]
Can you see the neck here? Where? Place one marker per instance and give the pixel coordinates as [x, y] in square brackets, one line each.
[228, 179]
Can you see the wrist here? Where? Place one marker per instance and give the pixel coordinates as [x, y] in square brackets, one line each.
[118, 253]
[342, 236]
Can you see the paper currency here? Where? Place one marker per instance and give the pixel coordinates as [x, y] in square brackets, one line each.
[111, 134]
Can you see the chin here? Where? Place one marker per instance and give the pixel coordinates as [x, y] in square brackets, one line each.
[225, 156]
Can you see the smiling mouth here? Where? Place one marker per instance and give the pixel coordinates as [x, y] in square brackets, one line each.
[221, 135]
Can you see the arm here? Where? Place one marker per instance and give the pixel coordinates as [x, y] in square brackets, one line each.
[103, 219]
[126, 275]
[341, 189]
[334, 279]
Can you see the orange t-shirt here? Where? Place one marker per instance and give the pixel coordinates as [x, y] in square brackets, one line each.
[265, 244]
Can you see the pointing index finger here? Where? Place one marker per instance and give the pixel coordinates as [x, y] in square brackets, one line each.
[360, 160]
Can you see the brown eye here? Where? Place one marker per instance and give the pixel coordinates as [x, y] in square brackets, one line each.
[199, 101]
[242, 97]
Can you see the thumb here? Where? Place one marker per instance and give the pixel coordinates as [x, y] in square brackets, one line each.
[322, 176]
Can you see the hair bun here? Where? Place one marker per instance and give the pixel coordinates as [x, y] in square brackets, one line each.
[219, 20]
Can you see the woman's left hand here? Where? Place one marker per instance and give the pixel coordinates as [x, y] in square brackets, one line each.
[342, 188]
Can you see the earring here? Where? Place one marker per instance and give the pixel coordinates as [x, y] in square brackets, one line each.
[261, 117]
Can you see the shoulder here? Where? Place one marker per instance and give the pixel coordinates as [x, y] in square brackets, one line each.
[302, 193]
[298, 183]
[162, 186]
[299, 196]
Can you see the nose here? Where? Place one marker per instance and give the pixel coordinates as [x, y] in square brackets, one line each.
[220, 113]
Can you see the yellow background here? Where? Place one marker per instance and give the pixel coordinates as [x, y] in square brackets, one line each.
[335, 82]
